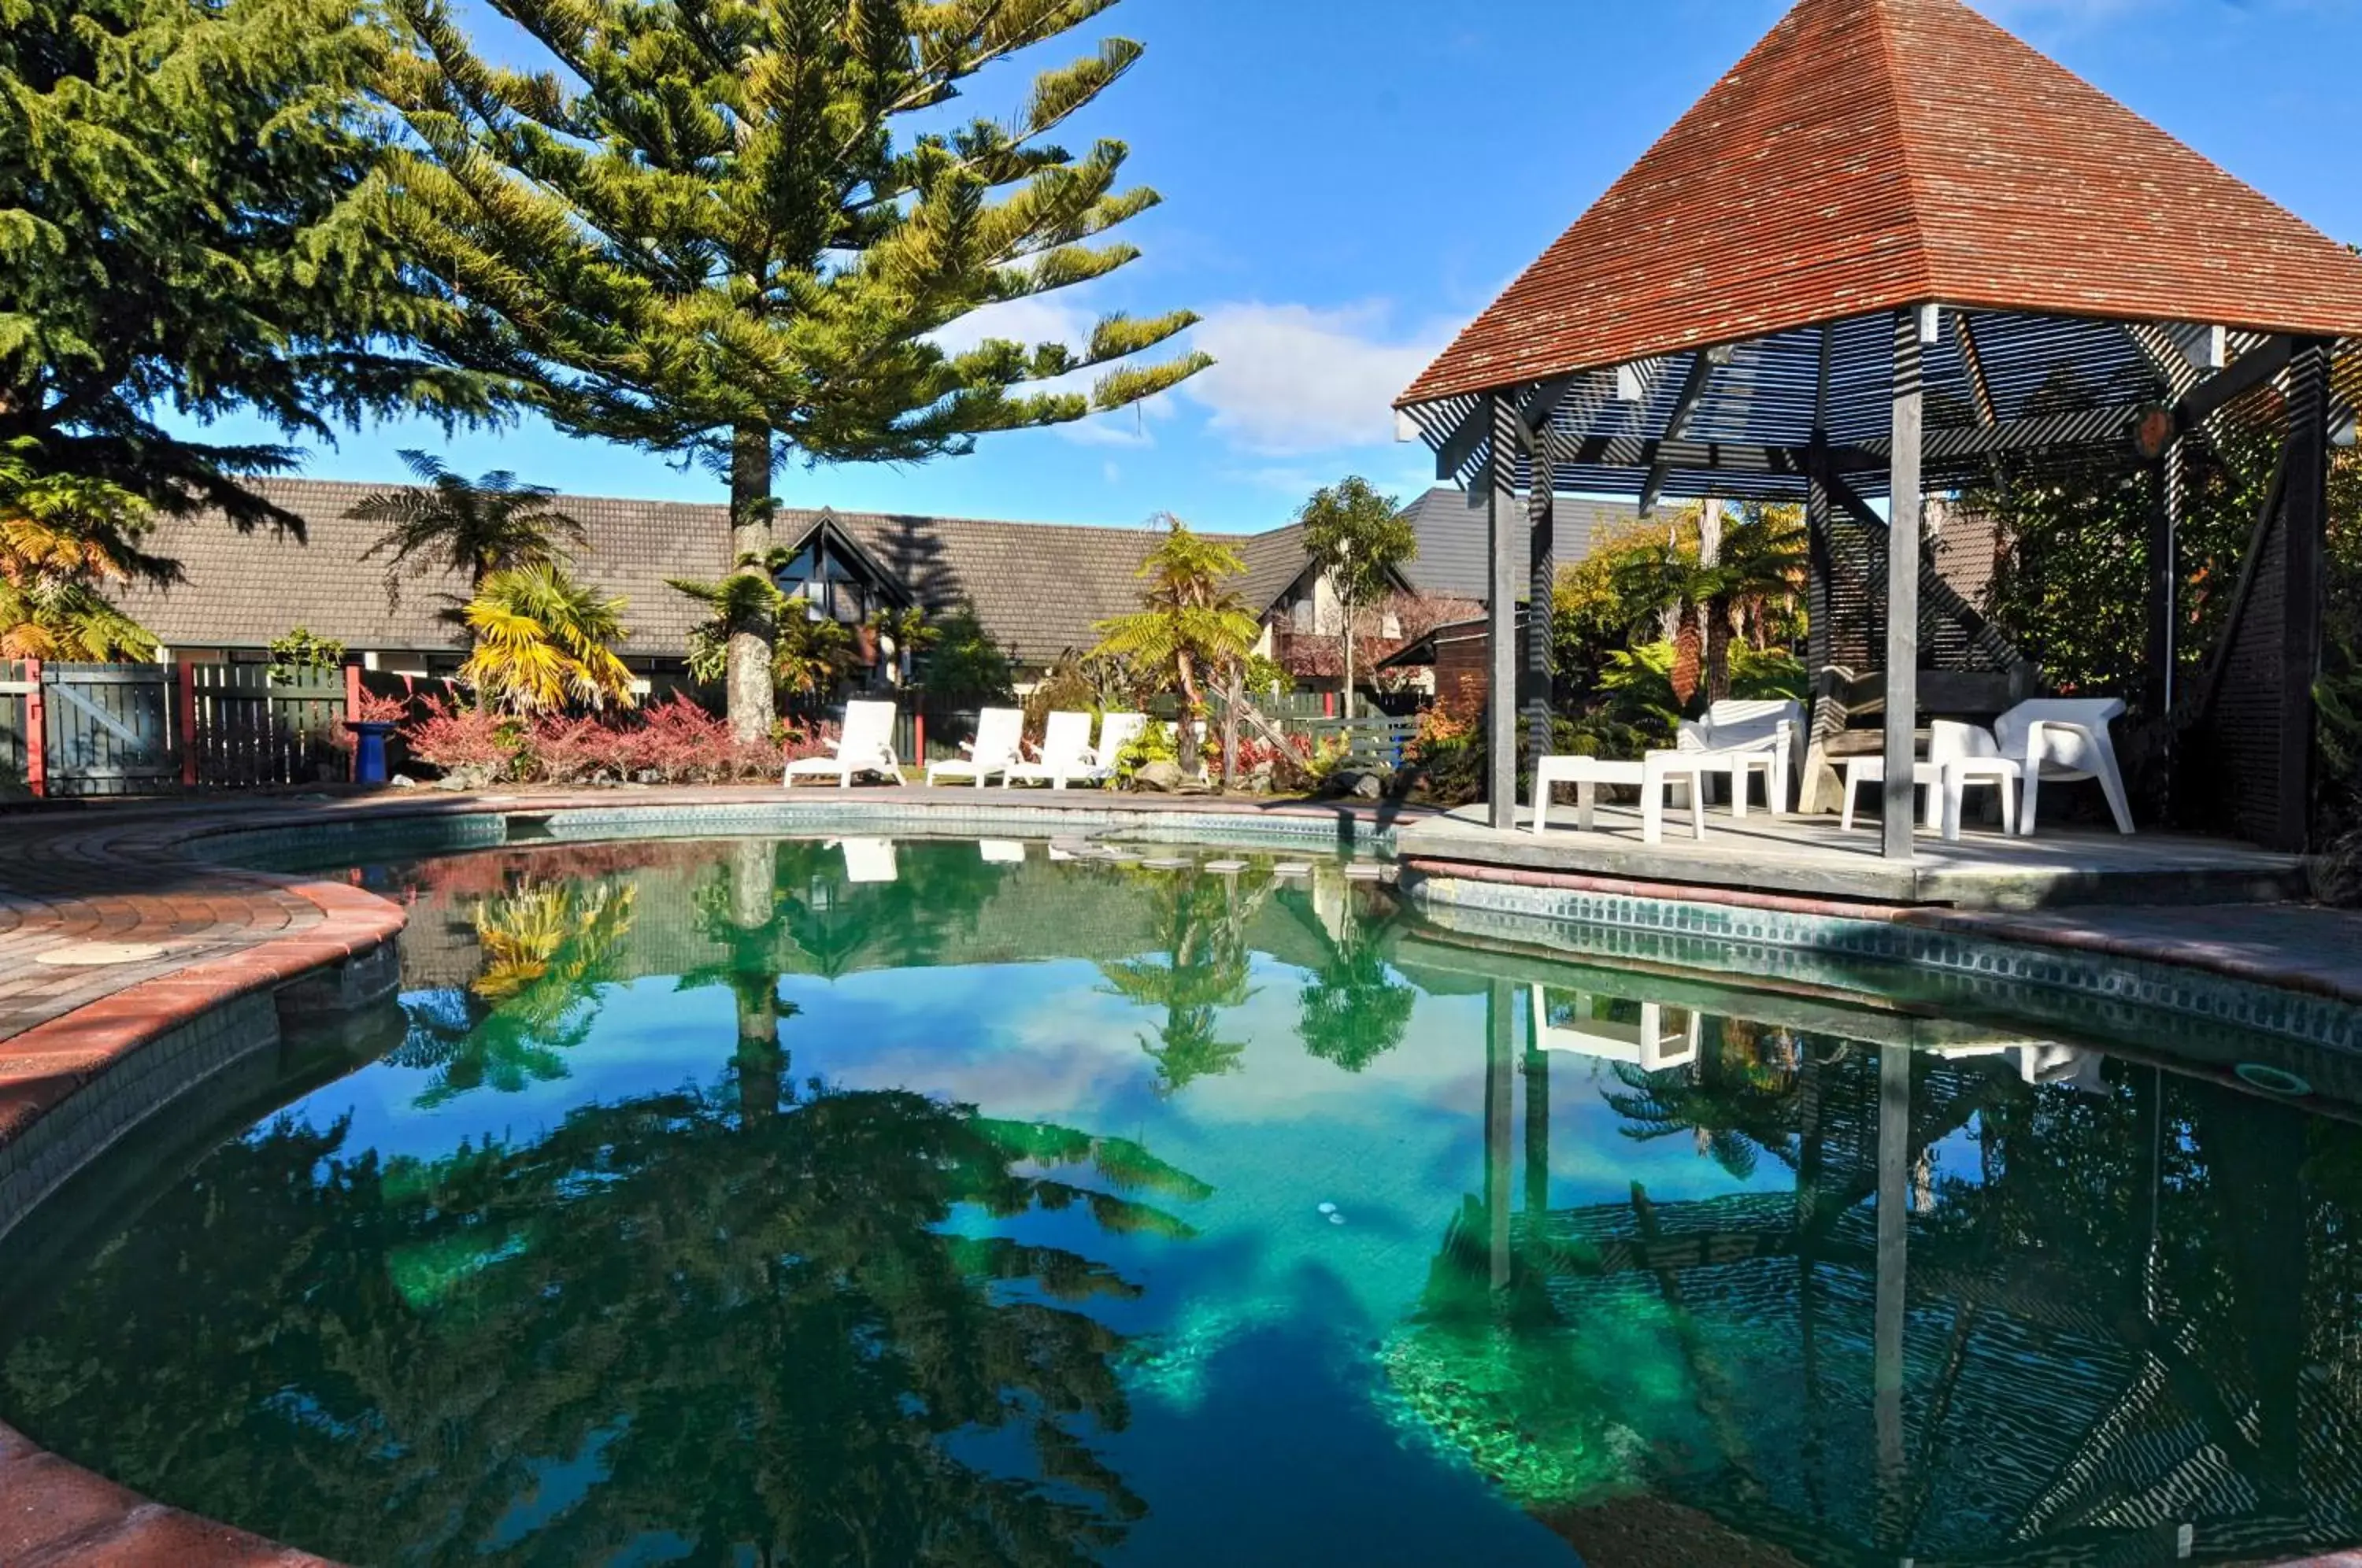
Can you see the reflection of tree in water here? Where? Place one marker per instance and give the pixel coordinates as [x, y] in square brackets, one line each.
[758, 1337]
[1739, 1101]
[547, 947]
[1353, 1009]
[840, 927]
[1201, 967]
[2118, 1311]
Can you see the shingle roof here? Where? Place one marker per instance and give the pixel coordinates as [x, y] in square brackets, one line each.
[1273, 562]
[1872, 154]
[1451, 528]
[1038, 588]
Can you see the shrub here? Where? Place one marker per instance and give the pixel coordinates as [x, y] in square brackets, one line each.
[449, 736]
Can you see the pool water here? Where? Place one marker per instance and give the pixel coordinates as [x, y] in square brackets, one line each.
[851, 1201]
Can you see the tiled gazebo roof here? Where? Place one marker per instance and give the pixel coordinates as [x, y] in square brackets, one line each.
[1869, 155]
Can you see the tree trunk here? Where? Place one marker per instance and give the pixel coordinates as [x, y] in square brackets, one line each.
[1717, 649]
[748, 678]
[1346, 711]
[1234, 694]
[1185, 729]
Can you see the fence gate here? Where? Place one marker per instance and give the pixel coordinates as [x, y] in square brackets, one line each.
[251, 730]
[108, 729]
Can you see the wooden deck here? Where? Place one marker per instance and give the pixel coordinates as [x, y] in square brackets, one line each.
[1811, 856]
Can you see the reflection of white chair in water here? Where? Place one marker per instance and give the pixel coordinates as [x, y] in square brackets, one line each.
[1665, 1037]
[868, 859]
[1002, 851]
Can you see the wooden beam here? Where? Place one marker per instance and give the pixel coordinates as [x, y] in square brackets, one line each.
[2218, 661]
[2082, 427]
[1541, 403]
[2243, 375]
[1540, 551]
[2305, 517]
[1694, 385]
[1501, 613]
[1903, 589]
[1461, 445]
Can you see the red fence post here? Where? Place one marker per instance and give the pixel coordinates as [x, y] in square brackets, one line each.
[185, 701]
[37, 714]
[352, 692]
[917, 758]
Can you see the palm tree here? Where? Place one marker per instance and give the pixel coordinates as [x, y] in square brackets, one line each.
[1757, 564]
[469, 528]
[544, 641]
[808, 655]
[1188, 620]
[63, 538]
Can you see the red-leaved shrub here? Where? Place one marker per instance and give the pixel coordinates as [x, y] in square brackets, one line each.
[449, 736]
[674, 742]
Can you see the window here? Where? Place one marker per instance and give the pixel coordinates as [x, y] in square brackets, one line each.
[830, 586]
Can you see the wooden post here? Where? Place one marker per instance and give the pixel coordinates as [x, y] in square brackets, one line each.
[1902, 590]
[919, 740]
[2304, 516]
[1500, 1086]
[1541, 586]
[2164, 532]
[184, 701]
[36, 736]
[1501, 617]
[1891, 1301]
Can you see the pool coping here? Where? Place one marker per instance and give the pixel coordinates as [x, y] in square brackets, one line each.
[53, 1512]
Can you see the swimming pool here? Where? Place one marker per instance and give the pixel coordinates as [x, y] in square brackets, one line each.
[866, 1200]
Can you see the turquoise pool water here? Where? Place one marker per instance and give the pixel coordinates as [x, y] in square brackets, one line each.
[937, 1202]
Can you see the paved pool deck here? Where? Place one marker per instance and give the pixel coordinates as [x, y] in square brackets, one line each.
[116, 931]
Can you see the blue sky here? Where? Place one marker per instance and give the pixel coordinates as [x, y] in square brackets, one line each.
[1347, 181]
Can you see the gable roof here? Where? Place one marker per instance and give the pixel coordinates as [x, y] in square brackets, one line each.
[1452, 529]
[1869, 155]
[1038, 588]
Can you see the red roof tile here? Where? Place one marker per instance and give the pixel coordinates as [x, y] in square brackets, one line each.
[1870, 154]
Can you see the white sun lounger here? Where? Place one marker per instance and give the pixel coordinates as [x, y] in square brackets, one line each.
[1066, 756]
[866, 745]
[997, 747]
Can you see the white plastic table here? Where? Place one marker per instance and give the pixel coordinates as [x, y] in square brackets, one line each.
[1652, 776]
[1943, 781]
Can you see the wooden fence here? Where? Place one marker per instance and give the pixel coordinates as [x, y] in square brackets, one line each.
[144, 729]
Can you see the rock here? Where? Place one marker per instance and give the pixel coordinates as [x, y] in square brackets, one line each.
[1160, 778]
[466, 775]
[401, 782]
[1354, 781]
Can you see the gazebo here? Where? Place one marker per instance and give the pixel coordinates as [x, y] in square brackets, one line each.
[1934, 250]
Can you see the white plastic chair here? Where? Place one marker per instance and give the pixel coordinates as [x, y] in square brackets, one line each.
[2063, 739]
[997, 747]
[1065, 756]
[866, 745]
[1758, 734]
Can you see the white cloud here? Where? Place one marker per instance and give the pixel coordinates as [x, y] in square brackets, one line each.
[1291, 380]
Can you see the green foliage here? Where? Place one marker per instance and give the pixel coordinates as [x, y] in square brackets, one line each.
[731, 236]
[809, 657]
[1638, 686]
[469, 528]
[1190, 620]
[964, 664]
[2072, 586]
[185, 234]
[1201, 967]
[1260, 677]
[1354, 1008]
[1360, 540]
[299, 653]
[545, 642]
[63, 538]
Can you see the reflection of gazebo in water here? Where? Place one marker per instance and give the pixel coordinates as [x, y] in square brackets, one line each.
[1893, 252]
[2101, 1357]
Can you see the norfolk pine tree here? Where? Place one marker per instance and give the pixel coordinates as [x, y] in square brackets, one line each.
[728, 231]
[184, 200]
